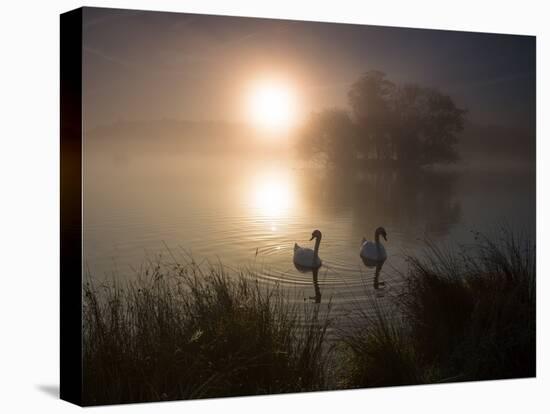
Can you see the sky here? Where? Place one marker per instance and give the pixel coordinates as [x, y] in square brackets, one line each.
[140, 65]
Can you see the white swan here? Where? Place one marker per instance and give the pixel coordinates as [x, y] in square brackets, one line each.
[306, 257]
[374, 251]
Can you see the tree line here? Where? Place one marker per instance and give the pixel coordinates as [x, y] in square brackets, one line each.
[389, 124]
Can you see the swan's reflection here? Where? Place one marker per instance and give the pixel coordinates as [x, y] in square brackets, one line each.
[378, 265]
[315, 278]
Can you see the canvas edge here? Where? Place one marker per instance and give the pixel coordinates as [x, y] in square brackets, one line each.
[71, 206]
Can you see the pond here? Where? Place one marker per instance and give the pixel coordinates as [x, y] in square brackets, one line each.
[248, 211]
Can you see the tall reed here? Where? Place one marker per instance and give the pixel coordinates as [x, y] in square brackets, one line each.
[181, 331]
[463, 316]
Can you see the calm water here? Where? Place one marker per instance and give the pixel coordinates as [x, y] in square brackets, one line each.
[250, 213]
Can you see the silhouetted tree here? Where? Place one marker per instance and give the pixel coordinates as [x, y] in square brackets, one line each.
[442, 124]
[406, 108]
[425, 126]
[330, 135]
[370, 98]
[402, 125]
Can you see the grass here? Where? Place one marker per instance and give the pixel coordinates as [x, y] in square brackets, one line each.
[462, 317]
[181, 332]
[376, 353]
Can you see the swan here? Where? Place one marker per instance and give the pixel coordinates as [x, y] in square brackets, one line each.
[306, 257]
[374, 251]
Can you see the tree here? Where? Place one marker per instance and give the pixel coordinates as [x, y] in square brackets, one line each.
[408, 121]
[330, 135]
[370, 99]
[441, 126]
[399, 125]
[426, 124]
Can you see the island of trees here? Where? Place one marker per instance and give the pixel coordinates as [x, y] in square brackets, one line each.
[389, 125]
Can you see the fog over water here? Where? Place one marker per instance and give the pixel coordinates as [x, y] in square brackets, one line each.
[247, 209]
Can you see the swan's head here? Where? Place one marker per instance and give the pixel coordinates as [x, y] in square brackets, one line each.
[316, 235]
[380, 231]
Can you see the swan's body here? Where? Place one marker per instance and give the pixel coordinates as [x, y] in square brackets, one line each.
[374, 251]
[306, 257]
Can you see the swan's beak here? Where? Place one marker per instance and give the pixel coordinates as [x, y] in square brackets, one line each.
[312, 237]
[385, 238]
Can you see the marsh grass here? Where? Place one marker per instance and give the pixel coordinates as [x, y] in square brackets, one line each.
[375, 353]
[462, 316]
[185, 331]
[181, 331]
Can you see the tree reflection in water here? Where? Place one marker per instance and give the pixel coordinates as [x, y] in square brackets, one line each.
[412, 202]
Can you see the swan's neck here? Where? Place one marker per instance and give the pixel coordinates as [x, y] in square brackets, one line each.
[316, 249]
[378, 244]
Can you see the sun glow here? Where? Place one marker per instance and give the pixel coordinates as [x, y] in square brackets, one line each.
[272, 196]
[272, 105]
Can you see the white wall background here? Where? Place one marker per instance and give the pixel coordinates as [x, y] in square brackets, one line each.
[29, 206]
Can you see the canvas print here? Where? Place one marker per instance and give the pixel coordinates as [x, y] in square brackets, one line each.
[275, 206]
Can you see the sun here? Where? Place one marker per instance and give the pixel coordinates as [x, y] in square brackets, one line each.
[272, 105]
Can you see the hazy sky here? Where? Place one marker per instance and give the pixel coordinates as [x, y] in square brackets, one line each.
[152, 65]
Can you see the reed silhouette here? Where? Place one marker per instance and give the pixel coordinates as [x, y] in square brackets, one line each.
[462, 317]
[182, 332]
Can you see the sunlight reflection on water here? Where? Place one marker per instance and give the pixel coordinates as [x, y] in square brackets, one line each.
[273, 195]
